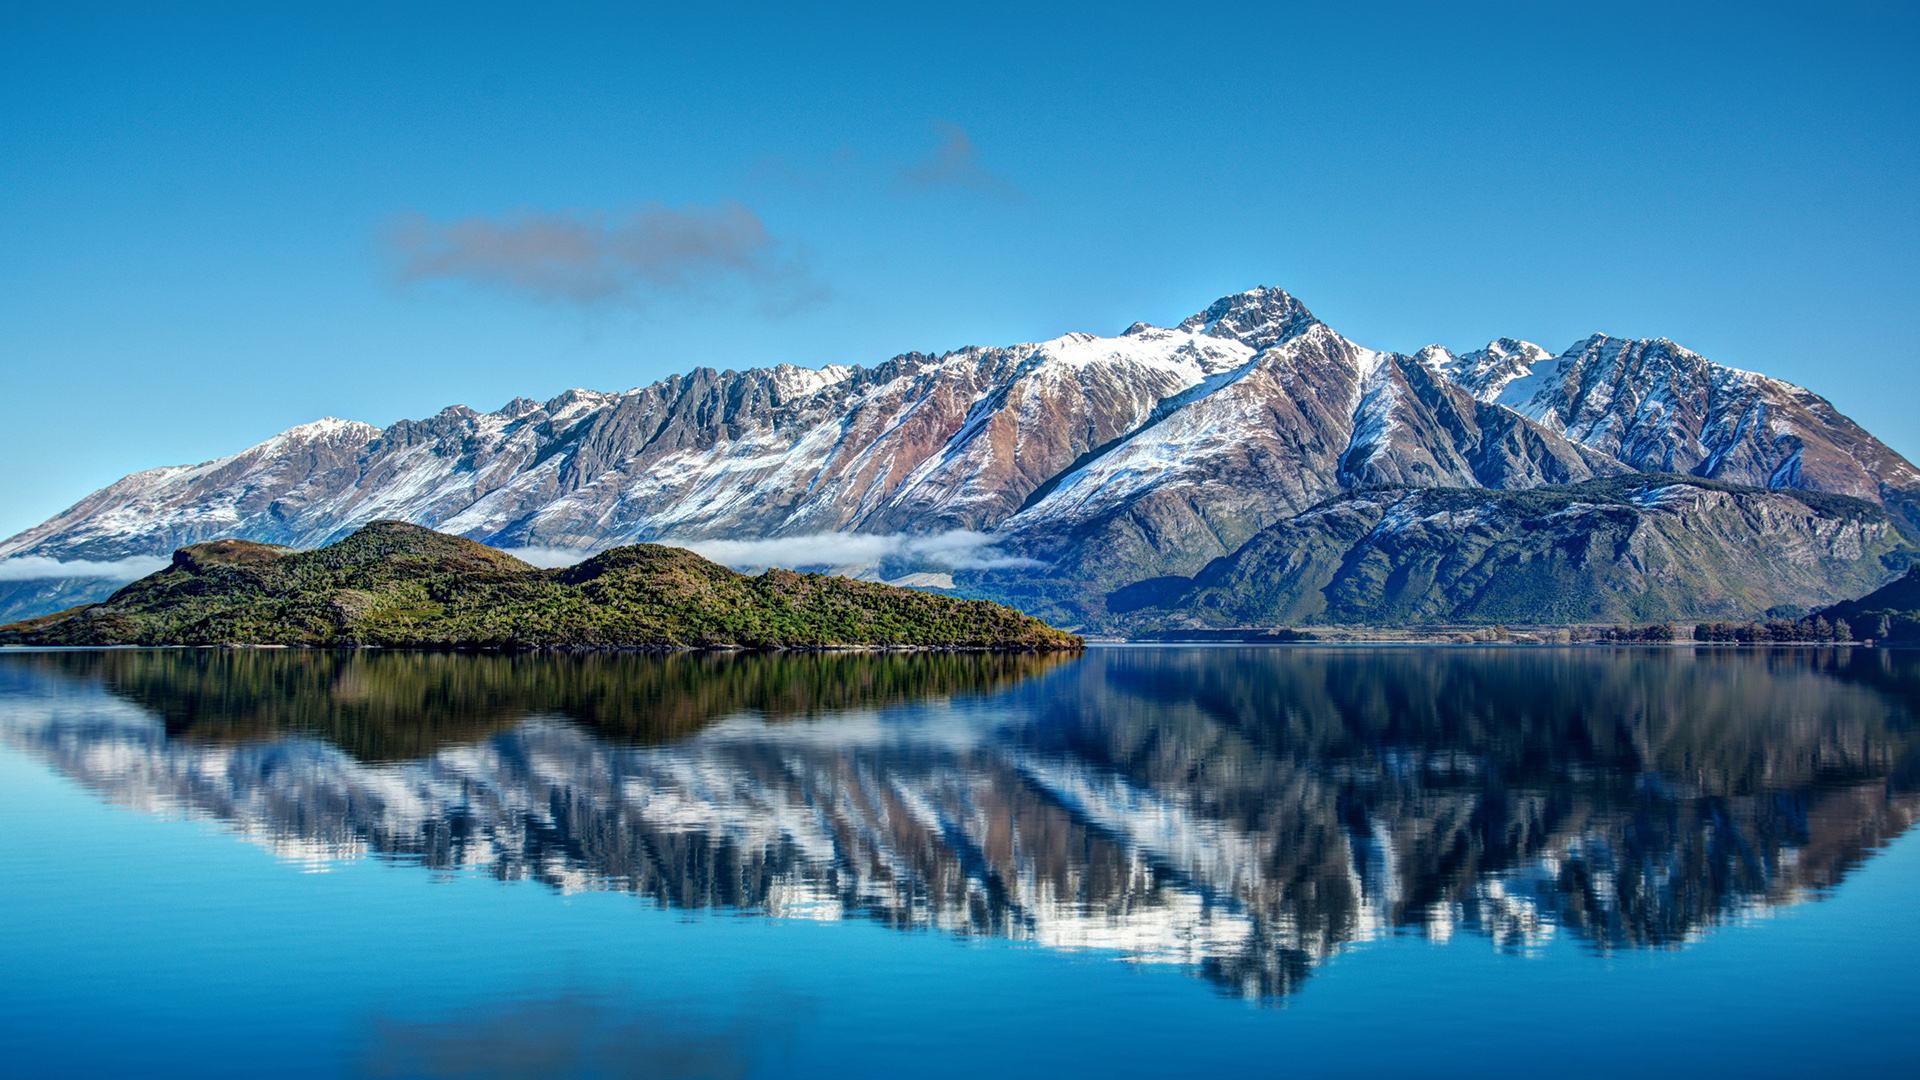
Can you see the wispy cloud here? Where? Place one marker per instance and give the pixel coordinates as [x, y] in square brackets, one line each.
[957, 549]
[589, 258]
[42, 568]
[955, 163]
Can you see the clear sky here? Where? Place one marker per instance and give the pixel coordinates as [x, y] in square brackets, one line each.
[219, 222]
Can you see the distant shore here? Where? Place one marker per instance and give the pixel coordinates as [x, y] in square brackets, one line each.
[1434, 635]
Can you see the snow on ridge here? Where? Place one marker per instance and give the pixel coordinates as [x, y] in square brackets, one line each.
[1410, 511]
[1179, 351]
[1208, 416]
[1162, 449]
[1376, 393]
[795, 381]
[1525, 393]
[1171, 362]
[1487, 371]
[1666, 496]
[327, 427]
[1438, 359]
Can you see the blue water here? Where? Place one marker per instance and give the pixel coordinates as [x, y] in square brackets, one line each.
[1137, 862]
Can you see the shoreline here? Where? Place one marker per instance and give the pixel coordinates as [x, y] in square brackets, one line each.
[1469, 644]
[923, 650]
[567, 650]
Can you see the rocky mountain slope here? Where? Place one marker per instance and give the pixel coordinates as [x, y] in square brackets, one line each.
[1088, 463]
[1627, 549]
[396, 584]
[1889, 613]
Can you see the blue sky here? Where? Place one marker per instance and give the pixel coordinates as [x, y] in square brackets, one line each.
[219, 222]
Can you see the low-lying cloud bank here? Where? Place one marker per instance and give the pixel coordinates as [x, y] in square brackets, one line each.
[956, 549]
[547, 558]
[42, 568]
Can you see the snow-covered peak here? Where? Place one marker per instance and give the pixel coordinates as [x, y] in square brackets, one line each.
[1650, 401]
[1258, 317]
[793, 381]
[1190, 355]
[1486, 371]
[326, 429]
[1513, 349]
[573, 404]
[1438, 359]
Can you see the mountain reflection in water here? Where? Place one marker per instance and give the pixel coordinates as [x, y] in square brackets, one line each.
[1245, 812]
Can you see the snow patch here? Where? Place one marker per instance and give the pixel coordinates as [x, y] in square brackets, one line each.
[1373, 420]
[1530, 394]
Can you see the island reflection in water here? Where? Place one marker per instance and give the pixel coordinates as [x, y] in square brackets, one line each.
[1247, 812]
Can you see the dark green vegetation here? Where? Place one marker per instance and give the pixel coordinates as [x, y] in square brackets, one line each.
[1889, 613]
[399, 585]
[1812, 630]
[1623, 550]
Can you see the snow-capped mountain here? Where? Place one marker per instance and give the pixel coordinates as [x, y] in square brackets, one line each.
[1105, 460]
[1658, 407]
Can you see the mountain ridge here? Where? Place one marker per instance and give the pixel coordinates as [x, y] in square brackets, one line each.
[1108, 460]
[1625, 549]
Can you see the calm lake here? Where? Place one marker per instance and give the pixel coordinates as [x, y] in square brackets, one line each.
[1139, 862]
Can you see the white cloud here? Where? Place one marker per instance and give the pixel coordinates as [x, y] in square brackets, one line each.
[956, 549]
[40, 567]
[549, 557]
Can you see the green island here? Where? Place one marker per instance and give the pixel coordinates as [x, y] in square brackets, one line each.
[396, 585]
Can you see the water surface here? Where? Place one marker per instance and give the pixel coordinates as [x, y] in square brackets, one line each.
[1140, 861]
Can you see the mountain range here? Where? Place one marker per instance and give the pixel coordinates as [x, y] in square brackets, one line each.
[1247, 465]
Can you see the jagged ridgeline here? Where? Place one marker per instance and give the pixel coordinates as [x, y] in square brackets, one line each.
[1091, 478]
[394, 584]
